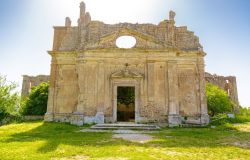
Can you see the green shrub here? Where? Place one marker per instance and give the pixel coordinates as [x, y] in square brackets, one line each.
[221, 119]
[9, 98]
[217, 100]
[3, 113]
[36, 103]
[11, 118]
[245, 111]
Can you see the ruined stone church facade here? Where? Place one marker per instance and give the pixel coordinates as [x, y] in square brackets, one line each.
[165, 68]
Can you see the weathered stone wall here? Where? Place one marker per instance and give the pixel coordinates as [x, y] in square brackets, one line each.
[92, 36]
[95, 34]
[32, 81]
[226, 83]
[188, 91]
[88, 87]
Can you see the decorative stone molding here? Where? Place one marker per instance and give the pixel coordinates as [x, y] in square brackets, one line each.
[126, 73]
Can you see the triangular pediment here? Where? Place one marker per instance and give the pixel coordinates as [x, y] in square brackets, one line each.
[142, 40]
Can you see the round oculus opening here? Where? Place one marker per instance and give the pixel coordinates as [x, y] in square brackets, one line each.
[125, 42]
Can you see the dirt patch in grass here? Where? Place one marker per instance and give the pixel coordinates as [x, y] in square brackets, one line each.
[141, 138]
[242, 127]
[239, 144]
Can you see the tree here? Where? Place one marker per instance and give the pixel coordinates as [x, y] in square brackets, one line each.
[9, 98]
[36, 103]
[217, 100]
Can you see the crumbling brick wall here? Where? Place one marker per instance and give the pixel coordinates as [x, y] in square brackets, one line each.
[226, 83]
[31, 81]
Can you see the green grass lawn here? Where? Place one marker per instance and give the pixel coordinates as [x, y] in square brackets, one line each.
[39, 140]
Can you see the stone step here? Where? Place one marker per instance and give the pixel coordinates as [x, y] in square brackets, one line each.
[125, 126]
[191, 125]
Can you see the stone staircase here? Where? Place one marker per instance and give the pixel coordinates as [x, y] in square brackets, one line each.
[125, 126]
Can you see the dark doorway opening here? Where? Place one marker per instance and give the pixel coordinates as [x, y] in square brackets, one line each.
[125, 104]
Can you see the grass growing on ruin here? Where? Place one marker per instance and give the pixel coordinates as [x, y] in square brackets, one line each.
[39, 140]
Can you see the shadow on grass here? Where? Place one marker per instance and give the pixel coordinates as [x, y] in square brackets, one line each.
[57, 133]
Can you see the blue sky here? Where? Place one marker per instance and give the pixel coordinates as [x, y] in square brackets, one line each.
[223, 26]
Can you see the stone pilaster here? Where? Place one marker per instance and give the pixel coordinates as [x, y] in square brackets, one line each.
[203, 99]
[173, 112]
[100, 94]
[77, 117]
[100, 87]
[151, 82]
[49, 115]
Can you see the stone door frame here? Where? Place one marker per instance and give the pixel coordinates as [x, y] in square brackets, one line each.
[125, 83]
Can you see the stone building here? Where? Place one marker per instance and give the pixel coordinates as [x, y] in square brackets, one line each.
[32, 81]
[164, 70]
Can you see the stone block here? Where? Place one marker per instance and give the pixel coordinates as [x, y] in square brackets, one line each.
[174, 120]
[77, 119]
[205, 119]
[99, 118]
[48, 117]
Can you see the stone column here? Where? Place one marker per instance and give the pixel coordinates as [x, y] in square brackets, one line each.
[203, 99]
[49, 115]
[77, 117]
[173, 111]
